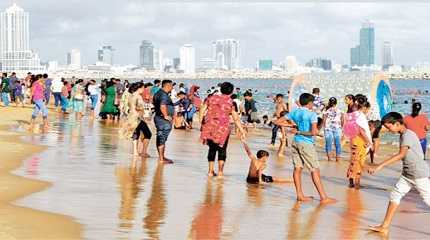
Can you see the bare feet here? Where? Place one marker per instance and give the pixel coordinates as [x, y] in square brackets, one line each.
[379, 229]
[357, 183]
[337, 159]
[305, 199]
[145, 155]
[328, 201]
[166, 161]
[211, 174]
[351, 183]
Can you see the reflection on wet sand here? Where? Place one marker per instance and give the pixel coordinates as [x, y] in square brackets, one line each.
[32, 166]
[207, 224]
[130, 181]
[301, 227]
[255, 195]
[95, 181]
[156, 206]
[350, 220]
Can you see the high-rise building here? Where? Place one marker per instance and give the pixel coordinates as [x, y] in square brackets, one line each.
[364, 53]
[105, 55]
[367, 44]
[176, 63]
[227, 51]
[265, 65]
[322, 63]
[387, 55]
[147, 54]
[74, 59]
[220, 61]
[158, 59]
[187, 55]
[15, 53]
[355, 56]
[292, 64]
[167, 65]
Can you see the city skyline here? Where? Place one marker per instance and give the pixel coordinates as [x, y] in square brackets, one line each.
[311, 30]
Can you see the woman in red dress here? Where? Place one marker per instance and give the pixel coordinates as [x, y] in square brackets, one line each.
[215, 117]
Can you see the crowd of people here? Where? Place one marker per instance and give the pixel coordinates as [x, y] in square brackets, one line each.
[225, 111]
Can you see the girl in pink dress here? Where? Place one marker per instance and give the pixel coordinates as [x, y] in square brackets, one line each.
[357, 129]
[215, 118]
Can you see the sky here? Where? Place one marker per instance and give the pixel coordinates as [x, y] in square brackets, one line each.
[271, 30]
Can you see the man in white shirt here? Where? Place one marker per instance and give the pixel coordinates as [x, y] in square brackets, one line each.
[93, 90]
[57, 85]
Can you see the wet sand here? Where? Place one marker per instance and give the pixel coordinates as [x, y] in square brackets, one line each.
[97, 182]
[17, 222]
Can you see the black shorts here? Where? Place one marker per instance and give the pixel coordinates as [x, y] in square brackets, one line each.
[264, 178]
[142, 128]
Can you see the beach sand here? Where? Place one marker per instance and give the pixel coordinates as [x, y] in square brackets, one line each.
[141, 208]
[20, 222]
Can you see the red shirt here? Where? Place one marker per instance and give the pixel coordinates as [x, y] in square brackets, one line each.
[216, 125]
[418, 125]
[146, 95]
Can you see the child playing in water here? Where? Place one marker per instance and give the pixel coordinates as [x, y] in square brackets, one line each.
[415, 170]
[257, 165]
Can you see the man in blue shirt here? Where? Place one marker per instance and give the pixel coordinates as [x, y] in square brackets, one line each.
[303, 149]
[164, 112]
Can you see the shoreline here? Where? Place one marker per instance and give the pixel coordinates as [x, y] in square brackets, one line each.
[21, 222]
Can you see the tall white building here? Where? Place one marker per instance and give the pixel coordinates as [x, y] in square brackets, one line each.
[15, 52]
[187, 55]
[292, 64]
[74, 59]
[387, 55]
[227, 53]
[158, 59]
[220, 61]
[52, 66]
[105, 55]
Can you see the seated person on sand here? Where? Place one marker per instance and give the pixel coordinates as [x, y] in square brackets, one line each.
[179, 121]
[266, 123]
[257, 165]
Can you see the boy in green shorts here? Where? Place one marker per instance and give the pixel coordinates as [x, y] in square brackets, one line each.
[303, 147]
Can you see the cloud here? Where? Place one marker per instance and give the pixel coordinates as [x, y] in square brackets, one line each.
[265, 30]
